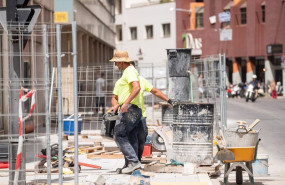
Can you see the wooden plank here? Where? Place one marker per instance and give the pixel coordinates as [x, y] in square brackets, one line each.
[103, 156]
[162, 168]
[210, 170]
[90, 149]
[160, 159]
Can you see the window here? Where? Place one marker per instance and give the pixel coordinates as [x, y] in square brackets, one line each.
[118, 6]
[243, 15]
[133, 31]
[263, 13]
[149, 32]
[199, 17]
[166, 30]
[119, 33]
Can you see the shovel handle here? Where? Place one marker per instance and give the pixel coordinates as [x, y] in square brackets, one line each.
[253, 124]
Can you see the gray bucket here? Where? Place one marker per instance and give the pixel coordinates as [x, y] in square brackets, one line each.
[179, 88]
[179, 62]
[235, 138]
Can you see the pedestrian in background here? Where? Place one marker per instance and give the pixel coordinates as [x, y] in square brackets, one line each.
[100, 94]
[273, 89]
[200, 86]
[125, 96]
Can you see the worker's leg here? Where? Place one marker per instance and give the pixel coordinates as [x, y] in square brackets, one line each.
[128, 123]
[142, 134]
[102, 104]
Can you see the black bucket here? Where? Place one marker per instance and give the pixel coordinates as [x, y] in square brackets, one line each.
[110, 125]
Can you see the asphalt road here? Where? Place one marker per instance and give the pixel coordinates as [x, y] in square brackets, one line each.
[272, 115]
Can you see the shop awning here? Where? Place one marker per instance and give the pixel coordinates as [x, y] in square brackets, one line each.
[263, 3]
[228, 6]
[244, 5]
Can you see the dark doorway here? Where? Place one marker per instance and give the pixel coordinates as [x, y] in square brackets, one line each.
[260, 70]
[230, 70]
[278, 76]
[243, 71]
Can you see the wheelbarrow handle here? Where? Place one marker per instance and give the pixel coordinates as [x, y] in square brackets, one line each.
[256, 147]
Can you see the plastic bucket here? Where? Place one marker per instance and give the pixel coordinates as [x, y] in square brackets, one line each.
[68, 125]
[260, 166]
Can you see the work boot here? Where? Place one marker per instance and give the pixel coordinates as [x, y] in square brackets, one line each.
[131, 167]
[119, 170]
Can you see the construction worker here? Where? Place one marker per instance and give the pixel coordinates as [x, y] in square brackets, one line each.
[142, 130]
[125, 131]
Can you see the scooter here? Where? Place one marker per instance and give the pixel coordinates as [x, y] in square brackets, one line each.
[279, 89]
[235, 91]
[250, 93]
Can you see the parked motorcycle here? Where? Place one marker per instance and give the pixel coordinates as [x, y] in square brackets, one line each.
[243, 88]
[279, 89]
[250, 93]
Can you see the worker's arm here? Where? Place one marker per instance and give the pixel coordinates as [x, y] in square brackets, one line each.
[135, 91]
[162, 96]
[159, 94]
[115, 104]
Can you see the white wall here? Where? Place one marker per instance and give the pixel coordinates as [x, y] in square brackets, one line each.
[154, 50]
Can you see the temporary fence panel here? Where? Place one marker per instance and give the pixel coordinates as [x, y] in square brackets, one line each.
[40, 135]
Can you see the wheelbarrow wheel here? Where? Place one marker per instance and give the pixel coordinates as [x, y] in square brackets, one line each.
[239, 179]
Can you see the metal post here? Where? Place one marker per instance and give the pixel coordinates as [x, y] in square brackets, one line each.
[74, 52]
[153, 81]
[59, 99]
[15, 85]
[206, 77]
[224, 87]
[283, 74]
[222, 62]
[48, 154]
[221, 93]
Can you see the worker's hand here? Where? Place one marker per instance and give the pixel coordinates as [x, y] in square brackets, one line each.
[113, 109]
[124, 108]
[172, 102]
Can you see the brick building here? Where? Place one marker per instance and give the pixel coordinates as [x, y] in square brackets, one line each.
[250, 32]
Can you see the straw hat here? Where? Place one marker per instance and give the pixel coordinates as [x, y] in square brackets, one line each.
[121, 56]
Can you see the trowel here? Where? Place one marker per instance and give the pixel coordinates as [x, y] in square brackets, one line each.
[225, 155]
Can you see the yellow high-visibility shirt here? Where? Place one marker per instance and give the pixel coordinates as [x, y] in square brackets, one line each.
[145, 86]
[123, 86]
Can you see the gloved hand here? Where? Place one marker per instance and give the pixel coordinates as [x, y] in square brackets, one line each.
[172, 102]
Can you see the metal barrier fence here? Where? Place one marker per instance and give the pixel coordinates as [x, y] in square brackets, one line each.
[56, 91]
[212, 70]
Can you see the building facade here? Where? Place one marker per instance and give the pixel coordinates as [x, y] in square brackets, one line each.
[146, 28]
[95, 45]
[250, 32]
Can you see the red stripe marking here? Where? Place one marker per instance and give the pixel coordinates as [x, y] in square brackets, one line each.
[18, 161]
[32, 108]
[21, 93]
[20, 127]
[29, 94]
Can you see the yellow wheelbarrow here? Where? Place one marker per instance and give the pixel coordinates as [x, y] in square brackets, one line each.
[242, 147]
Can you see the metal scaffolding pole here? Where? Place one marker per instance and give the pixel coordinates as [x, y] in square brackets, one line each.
[15, 85]
[58, 47]
[74, 52]
[46, 56]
